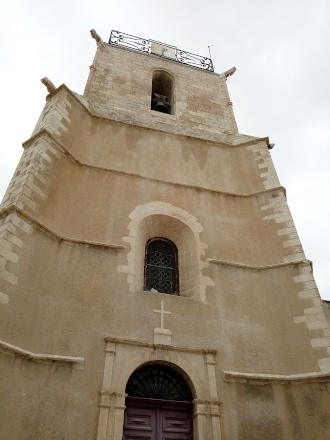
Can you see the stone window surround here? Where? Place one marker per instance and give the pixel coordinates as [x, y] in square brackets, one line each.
[162, 219]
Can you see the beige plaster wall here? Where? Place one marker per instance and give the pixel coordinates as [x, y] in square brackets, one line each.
[276, 411]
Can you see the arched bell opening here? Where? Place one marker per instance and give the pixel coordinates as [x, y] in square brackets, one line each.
[162, 92]
[158, 404]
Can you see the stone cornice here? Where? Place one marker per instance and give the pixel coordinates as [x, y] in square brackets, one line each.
[220, 144]
[265, 379]
[64, 150]
[47, 230]
[251, 267]
[118, 247]
[159, 346]
[37, 357]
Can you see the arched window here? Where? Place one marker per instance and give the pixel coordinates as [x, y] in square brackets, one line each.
[161, 266]
[162, 92]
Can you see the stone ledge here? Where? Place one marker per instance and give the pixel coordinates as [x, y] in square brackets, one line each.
[218, 143]
[18, 351]
[43, 228]
[62, 147]
[265, 379]
[268, 266]
[137, 343]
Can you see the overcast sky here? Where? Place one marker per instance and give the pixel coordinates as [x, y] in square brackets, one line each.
[281, 87]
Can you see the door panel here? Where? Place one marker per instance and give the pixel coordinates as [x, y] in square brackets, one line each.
[151, 419]
[172, 421]
[140, 423]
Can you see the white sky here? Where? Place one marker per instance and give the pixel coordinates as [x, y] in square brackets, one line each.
[281, 88]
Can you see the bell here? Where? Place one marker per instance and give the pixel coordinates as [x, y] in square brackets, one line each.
[160, 103]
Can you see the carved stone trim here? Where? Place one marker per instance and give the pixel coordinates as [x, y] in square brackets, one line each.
[206, 405]
[268, 266]
[42, 227]
[108, 399]
[64, 150]
[37, 357]
[49, 85]
[229, 72]
[265, 379]
[96, 37]
[221, 144]
[161, 346]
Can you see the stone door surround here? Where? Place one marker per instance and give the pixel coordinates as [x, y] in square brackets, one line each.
[197, 366]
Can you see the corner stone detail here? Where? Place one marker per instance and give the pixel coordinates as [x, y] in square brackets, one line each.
[314, 316]
[12, 230]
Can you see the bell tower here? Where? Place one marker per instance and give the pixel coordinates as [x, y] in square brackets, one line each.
[152, 282]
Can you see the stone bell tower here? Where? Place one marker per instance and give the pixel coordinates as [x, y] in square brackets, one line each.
[152, 282]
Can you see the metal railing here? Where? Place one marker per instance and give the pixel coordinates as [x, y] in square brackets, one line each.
[161, 49]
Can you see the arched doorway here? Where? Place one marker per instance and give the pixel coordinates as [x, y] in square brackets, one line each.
[158, 405]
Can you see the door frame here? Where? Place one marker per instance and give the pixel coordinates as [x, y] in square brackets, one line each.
[198, 367]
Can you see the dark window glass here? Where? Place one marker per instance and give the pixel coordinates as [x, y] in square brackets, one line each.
[161, 266]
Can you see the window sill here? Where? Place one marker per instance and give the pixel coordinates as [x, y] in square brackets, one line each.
[166, 295]
[162, 115]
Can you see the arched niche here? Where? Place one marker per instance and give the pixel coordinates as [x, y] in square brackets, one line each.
[181, 235]
[162, 94]
[162, 219]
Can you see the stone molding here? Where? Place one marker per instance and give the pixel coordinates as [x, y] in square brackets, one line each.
[12, 233]
[206, 408]
[314, 317]
[278, 212]
[265, 164]
[221, 144]
[63, 149]
[267, 266]
[117, 247]
[265, 379]
[137, 343]
[44, 228]
[206, 404]
[49, 86]
[190, 228]
[37, 357]
[47, 230]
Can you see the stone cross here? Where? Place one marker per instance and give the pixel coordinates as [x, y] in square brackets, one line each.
[162, 313]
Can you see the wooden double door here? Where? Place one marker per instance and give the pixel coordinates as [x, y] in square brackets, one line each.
[152, 419]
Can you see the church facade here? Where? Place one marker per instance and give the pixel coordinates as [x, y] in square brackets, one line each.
[152, 282]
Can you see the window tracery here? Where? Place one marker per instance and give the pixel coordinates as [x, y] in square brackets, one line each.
[161, 266]
[155, 381]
